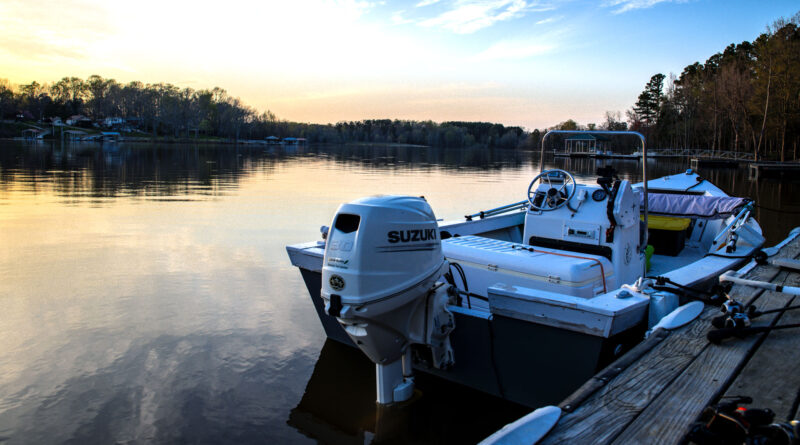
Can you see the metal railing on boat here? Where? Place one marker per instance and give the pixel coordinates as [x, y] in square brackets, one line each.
[644, 167]
[498, 210]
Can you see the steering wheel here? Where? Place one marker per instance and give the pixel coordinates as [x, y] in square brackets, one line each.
[556, 196]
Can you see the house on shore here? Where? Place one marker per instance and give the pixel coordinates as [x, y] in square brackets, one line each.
[79, 120]
[113, 122]
[54, 121]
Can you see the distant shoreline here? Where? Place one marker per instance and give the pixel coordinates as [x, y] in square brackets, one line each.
[163, 140]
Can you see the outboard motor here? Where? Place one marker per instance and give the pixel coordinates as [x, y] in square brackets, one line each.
[383, 257]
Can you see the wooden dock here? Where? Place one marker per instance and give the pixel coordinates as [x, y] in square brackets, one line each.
[701, 154]
[656, 391]
[581, 155]
[696, 163]
[772, 168]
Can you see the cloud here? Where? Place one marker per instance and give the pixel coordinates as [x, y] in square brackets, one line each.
[33, 49]
[629, 5]
[426, 3]
[358, 7]
[35, 29]
[398, 19]
[468, 16]
[549, 20]
[515, 50]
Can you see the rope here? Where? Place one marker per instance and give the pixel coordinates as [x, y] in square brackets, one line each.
[700, 181]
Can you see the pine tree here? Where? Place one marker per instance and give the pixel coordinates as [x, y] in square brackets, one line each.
[649, 102]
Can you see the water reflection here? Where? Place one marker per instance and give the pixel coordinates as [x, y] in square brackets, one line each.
[206, 170]
[339, 406]
[148, 298]
[92, 170]
[393, 156]
[171, 389]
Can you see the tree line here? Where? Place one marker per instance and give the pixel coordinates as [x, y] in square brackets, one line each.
[163, 109]
[746, 98]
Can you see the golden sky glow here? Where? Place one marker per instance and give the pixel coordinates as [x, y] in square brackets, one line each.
[521, 62]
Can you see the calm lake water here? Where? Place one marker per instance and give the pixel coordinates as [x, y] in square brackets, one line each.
[147, 296]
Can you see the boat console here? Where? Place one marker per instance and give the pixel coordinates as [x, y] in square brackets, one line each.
[598, 220]
[578, 240]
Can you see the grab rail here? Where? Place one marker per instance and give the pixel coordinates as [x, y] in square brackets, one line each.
[644, 167]
[498, 210]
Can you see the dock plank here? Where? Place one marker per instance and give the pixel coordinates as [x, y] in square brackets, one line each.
[604, 415]
[669, 417]
[770, 376]
[614, 411]
[599, 380]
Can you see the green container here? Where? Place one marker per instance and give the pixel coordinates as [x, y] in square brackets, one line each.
[648, 253]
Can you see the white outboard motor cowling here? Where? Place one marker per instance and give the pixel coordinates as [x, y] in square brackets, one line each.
[383, 257]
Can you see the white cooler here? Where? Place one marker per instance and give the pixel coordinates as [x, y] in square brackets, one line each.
[487, 262]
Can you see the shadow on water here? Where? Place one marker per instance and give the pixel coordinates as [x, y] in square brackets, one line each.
[339, 407]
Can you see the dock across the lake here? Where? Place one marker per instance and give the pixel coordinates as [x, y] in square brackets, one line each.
[597, 155]
[654, 393]
[700, 159]
[697, 163]
[772, 168]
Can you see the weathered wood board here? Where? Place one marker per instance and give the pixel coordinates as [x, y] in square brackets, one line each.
[669, 417]
[657, 397]
[772, 375]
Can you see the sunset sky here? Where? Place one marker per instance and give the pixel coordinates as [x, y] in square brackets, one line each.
[517, 62]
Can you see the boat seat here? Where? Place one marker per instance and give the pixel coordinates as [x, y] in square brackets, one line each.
[670, 215]
[692, 206]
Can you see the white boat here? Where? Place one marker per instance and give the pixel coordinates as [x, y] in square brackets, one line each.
[528, 300]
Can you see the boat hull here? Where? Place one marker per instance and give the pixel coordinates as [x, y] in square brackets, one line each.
[541, 335]
[526, 363]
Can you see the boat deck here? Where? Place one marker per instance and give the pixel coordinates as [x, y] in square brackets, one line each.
[655, 392]
[663, 264]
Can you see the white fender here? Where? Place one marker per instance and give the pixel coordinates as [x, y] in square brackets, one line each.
[526, 430]
[679, 317]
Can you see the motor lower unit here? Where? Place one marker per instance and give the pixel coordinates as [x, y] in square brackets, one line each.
[383, 259]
